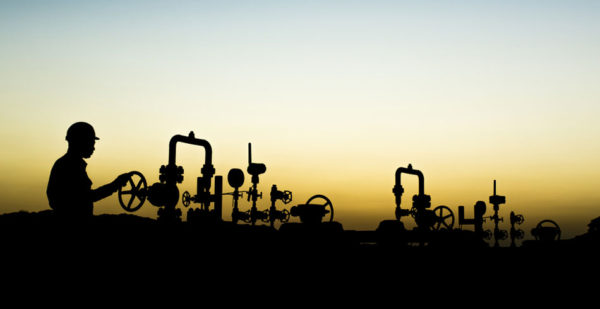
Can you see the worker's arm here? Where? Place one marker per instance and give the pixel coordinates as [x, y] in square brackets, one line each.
[108, 189]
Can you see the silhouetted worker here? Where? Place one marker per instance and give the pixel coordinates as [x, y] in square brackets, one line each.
[69, 191]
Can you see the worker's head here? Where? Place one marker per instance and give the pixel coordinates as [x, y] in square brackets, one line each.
[81, 138]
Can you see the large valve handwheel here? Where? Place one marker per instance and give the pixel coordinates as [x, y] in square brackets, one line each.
[133, 195]
[327, 203]
[547, 225]
[445, 218]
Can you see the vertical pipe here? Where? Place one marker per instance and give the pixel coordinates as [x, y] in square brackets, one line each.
[199, 187]
[219, 197]
[249, 153]
[461, 215]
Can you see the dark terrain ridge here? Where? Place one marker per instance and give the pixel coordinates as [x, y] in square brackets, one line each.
[130, 233]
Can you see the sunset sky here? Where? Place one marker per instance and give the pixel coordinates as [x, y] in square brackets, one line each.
[333, 95]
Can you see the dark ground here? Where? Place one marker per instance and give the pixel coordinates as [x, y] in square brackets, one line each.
[36, 245]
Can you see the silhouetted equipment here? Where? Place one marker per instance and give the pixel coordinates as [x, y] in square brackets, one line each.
[440, 218]
[515, 233]
[312, 214]
[497, 200]
[316, 228]
[171, 175]
[235, 178]
[477, 221]
[282, 215]
[165, 194]
[546, 230]
[255, 169]
[186, 199]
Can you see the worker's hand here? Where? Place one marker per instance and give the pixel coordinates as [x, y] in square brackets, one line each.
[121, 180]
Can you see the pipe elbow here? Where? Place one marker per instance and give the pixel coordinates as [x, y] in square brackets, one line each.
[411, 171]
[192, 141]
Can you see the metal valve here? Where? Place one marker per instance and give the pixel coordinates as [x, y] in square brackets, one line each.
[497, 200]
[287, 197]
[281, 215]
[252, 193]
[487, 234]
[171, 172]
[186, 199]
[500, 234]
[516, 233]
[516, 219]
[519, 234]
[546, 230]
[313, 213]
[136, 189]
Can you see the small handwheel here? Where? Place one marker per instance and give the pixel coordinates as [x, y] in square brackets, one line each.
[247, 217]
[519, 219]
[285, 216]
[413, 212]
[287, 197]
[487, 234]
[136, 187]
[518, 234]
[264, 216]
[186, 199]
[516, 219]
[327, 203]
[445, 218]
[500, 234]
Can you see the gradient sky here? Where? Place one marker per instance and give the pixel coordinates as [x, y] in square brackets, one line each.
[334, 96]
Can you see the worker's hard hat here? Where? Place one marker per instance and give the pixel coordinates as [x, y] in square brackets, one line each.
[81, 131]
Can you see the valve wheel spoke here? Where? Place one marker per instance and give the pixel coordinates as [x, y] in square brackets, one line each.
[130, 201]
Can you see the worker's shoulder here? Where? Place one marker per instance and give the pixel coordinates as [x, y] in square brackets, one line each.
[68, 162]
